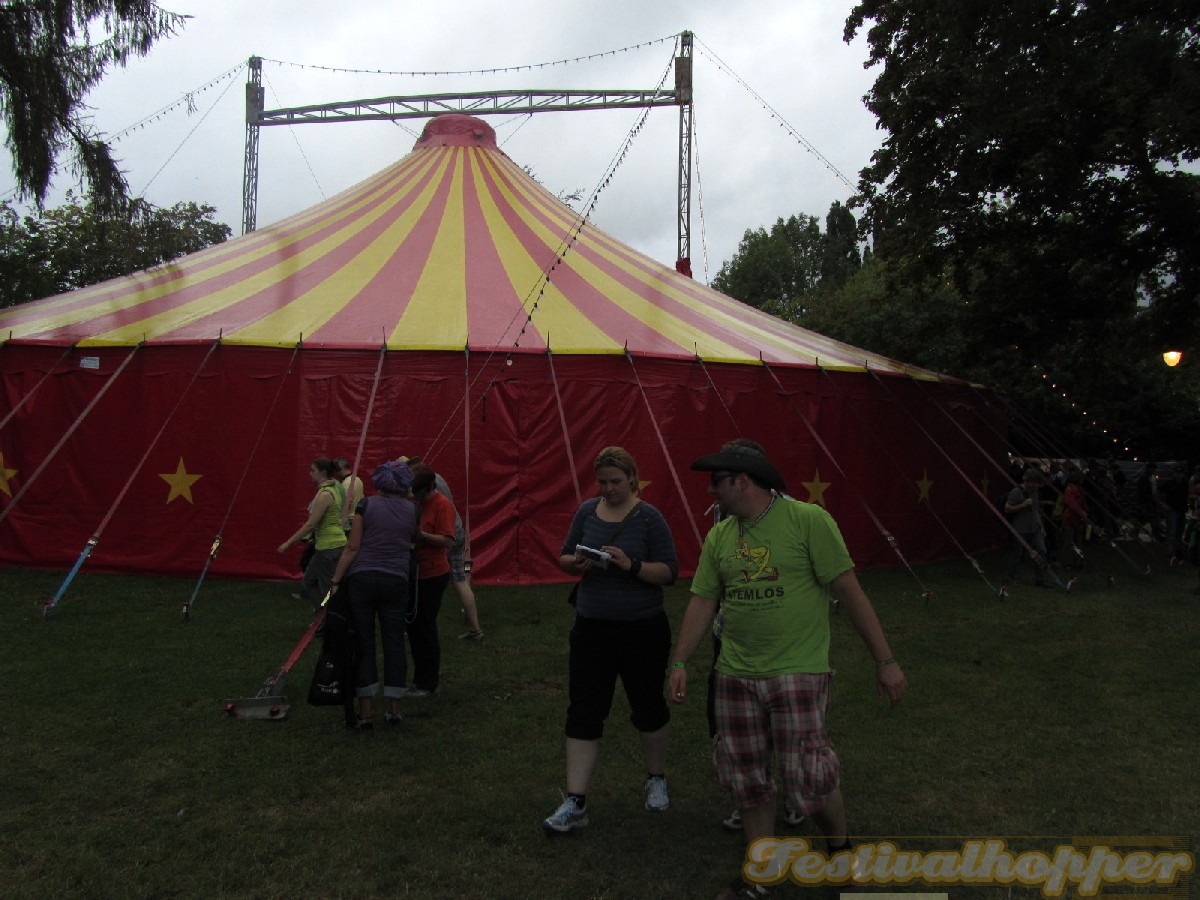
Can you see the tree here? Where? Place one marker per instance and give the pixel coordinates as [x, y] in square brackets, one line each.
[48, 63]
[1037, 154]
[840, 257]
[79, 244]
[1040, 162]
[779, 270]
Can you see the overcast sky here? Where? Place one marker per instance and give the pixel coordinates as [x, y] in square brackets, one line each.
[750, 170]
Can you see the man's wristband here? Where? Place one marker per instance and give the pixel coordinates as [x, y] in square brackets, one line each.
[635, 566]
[890, 661]
[678, 665]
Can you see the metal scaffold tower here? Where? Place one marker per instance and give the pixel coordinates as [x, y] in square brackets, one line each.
[485, 103]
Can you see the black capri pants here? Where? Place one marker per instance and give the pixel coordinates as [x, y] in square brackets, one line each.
[603, 650]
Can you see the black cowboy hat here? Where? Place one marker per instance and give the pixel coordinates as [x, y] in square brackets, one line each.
[742, 459]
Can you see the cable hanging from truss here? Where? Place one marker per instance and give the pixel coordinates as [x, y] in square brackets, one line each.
[774, 113]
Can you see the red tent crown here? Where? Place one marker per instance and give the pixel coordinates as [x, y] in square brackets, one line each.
[457, 130]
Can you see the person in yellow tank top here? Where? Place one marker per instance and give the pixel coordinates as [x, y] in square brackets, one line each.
[324, 523]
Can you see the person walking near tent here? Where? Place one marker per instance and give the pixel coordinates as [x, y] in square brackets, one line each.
[460, 578]
[324, 523]
[625, 553]
[352, 485]
[373, 571]
[1023, 508]
[1150, 507]
[772, 565]
[1174, 496]
[434, 539]
[733, 822]
[1074, 518]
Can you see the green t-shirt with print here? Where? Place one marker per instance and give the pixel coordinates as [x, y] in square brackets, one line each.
[772, 583]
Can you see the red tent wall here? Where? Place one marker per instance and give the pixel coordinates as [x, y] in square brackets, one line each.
[512, 478]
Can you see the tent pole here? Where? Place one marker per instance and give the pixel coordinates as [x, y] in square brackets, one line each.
[112, 509]
[12, 412]
[966, 478]
[862, 422]
[887, 535]
[562, 421]
[216, 544]
[666, 455]
[467, 450]
[67, 434]
[362, 437]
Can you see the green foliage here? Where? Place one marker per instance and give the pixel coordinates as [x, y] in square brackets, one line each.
[1034, 213]
[79, 244]
[779, 270]
[124, 779]
[921, 328]
[1037, 154]
[48, 63]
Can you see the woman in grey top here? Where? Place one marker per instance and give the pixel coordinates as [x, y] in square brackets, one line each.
[374, 566]
[621, 631]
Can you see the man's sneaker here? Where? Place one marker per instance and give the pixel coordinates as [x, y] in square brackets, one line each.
[475, 636]
[656, 794]
[791, 816]
[566, 818]
[734, 822]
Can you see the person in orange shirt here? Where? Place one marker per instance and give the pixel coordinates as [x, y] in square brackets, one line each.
[433, 542]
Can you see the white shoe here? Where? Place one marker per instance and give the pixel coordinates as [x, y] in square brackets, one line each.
[566, 818]
[657, 799]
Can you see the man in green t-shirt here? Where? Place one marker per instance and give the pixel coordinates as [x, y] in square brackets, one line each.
[771, 565]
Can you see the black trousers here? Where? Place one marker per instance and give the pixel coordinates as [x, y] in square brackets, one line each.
[425, 603]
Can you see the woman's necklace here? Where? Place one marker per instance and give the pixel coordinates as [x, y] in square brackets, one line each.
[743, 527]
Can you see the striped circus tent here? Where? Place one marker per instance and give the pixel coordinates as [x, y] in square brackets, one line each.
[450, 307]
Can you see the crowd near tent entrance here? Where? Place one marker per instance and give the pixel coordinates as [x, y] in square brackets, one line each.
[482, 325]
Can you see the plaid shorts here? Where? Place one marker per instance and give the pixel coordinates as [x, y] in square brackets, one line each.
[458, 567]
[782, 716]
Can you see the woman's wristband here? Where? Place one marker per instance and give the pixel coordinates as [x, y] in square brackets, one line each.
[890, 661]
[678, 665]
[635, 566]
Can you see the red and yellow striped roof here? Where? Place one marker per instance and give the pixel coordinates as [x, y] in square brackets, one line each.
[452, 246]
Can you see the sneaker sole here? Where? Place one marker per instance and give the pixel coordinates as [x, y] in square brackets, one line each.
[550, 828]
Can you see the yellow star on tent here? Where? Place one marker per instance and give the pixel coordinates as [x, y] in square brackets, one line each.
[180, 481]
[923, 487]
[5, 475]
[816, 488]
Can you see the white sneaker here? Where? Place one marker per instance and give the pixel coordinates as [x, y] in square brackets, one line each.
[566, 818]
[656, 794]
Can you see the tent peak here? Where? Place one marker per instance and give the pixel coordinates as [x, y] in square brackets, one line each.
[457, 130]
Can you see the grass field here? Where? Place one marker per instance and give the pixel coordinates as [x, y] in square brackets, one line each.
[1044, 716]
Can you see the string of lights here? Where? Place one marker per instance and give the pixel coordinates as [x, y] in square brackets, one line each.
[186, 138]
[1090, 419]
[497, 70]
[708, 52]
[585, 216]
[188, 100]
